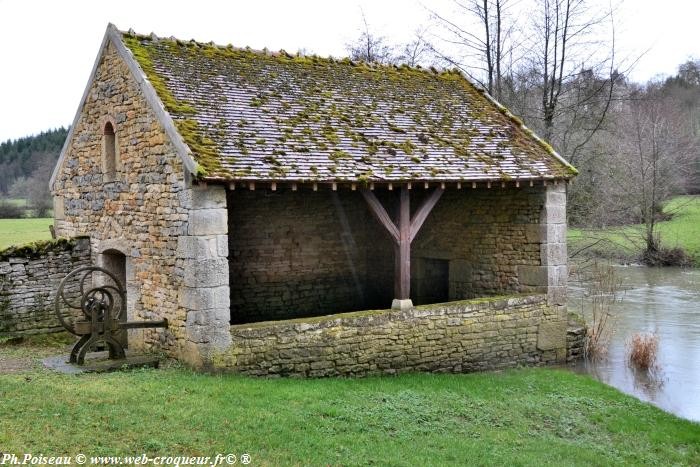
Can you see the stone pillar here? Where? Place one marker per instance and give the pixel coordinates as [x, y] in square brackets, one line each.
[551, 275]
[205, 291]
[553, 253]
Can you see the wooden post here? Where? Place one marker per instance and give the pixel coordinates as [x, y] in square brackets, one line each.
[402, 283]
[402, 236]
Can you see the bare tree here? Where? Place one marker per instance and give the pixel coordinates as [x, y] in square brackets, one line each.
[656, 150]
[370, 47]
[483, 48]
[416, 52]
[575, 70]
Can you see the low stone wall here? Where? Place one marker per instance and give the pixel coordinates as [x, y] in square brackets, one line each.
[29, 278]
[575, 337]
[463, 336]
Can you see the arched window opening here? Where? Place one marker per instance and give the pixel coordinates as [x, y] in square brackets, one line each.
[109, 151]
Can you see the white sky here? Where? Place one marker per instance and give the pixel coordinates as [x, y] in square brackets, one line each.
[47, 48]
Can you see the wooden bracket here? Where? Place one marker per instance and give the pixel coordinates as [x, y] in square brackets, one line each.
[403, 233]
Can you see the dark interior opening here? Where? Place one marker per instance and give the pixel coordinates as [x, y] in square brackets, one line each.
[432, 281]
[110, 150]
[115, 262]
[296, 254]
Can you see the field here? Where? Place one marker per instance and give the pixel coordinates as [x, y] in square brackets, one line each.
[519, 417]
[19, 231]
[683, 230]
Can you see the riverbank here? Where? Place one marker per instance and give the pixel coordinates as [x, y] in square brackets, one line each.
[625, 244]
[524, 417]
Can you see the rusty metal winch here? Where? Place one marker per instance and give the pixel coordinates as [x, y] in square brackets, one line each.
[101, 299]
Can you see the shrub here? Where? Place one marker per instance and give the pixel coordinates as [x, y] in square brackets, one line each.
[602, 290]
[10, 211]
[663, 256]
[643, 349]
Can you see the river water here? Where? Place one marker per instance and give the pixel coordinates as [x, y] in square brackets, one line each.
[665, 301]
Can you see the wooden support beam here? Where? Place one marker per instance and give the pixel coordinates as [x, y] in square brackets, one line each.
[403, 233]
[402, 277]
[422, 213]
[375, 206]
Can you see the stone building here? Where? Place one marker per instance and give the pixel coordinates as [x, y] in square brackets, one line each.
[261, 201]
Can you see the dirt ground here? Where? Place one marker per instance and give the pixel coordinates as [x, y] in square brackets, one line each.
[25, 355]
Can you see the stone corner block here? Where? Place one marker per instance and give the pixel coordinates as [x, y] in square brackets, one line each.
[209, 197]
[205, 298]
[206, 272]
[202, 246]
[208, 222]
[553, 254]
[551, 335]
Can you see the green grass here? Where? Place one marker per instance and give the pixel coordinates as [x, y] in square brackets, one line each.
[520, 417]
[683, 231]
[20, 231]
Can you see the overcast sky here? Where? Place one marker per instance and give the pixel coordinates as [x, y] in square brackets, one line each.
[47, 48]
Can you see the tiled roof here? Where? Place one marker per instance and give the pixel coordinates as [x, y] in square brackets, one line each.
[254, 115]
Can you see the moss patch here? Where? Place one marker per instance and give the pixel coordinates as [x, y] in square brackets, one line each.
[37, 249]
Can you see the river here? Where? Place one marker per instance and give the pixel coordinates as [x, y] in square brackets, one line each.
[665, 301]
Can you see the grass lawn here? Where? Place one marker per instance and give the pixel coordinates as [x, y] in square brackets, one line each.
[519, 417]
[19, 231]
[683, 230]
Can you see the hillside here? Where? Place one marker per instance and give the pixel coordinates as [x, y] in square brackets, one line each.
[24, 156]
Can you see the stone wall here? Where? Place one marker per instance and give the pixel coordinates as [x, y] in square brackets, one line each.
[141, 211]
[29, 279]
[464, 336]
[296, 254]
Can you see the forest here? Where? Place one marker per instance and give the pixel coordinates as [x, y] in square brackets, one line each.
[25, 168]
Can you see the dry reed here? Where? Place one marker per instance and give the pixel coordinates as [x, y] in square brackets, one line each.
[643, 350]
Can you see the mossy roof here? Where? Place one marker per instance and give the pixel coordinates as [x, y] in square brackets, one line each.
[255, 115]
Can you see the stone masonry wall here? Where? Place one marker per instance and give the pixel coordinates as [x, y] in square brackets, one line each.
[463, 336]
[29, 280]
[141, 212]
[296, 253]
